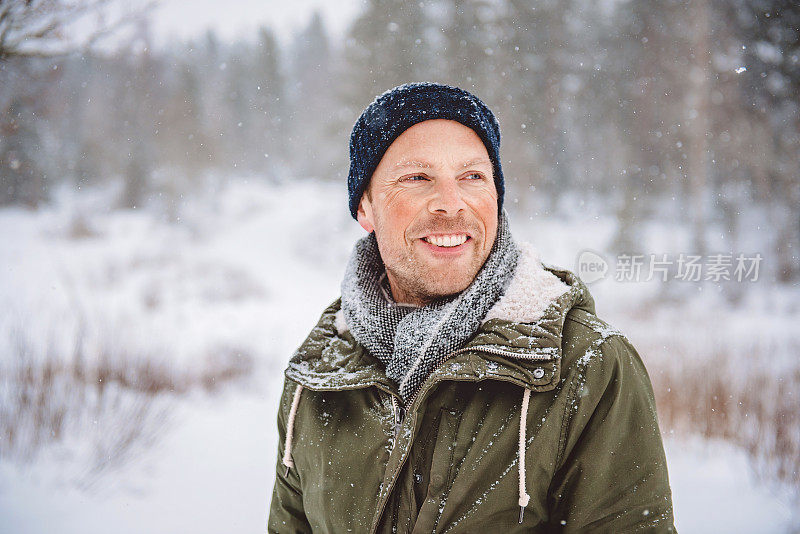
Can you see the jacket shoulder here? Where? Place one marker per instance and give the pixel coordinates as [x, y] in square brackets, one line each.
[597, 357]
[585, 336]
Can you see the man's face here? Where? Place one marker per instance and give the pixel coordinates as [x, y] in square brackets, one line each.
[432, 203]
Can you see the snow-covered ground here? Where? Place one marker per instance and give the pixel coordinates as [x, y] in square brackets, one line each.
[246, 270]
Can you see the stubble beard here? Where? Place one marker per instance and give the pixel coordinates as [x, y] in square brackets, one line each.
[421, 284]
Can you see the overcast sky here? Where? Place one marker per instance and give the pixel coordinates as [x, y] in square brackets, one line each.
[232, 18]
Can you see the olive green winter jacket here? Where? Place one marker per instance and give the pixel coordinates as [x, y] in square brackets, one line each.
[543, 422]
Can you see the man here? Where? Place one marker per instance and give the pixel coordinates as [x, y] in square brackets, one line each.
[459, 385]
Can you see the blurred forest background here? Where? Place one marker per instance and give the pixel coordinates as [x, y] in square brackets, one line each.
[173, 218]
[676, 110]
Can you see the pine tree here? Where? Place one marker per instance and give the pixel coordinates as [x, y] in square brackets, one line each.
[770, 32]
[320, 150]
[469, 41]
[269, 103]
[386, 46]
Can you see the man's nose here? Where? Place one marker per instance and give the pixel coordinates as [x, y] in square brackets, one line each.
[448, 198]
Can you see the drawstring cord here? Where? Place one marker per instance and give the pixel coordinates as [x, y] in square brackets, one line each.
[287, 449]
[523, 417]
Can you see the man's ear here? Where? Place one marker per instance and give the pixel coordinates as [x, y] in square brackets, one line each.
[364, 214]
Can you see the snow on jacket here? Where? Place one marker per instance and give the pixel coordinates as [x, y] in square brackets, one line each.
[543, 422]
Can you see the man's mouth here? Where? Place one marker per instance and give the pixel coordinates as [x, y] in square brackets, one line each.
[446, 241]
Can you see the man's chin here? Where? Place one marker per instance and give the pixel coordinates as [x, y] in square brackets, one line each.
[445, 284]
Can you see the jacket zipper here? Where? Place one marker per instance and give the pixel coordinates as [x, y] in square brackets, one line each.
[397, 411]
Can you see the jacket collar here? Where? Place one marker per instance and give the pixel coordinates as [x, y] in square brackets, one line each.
[519, 340]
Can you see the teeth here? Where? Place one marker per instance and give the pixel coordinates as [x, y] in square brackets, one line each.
[447, 240]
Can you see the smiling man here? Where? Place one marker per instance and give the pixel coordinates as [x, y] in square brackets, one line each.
[459, 384]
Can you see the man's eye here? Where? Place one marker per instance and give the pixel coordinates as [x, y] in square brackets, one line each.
[415, 178]
[475, 176]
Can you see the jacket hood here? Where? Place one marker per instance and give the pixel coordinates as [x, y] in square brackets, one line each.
[520, 336]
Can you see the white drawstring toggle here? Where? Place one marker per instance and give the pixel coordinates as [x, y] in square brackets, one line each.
[524, 498]
[287, 448]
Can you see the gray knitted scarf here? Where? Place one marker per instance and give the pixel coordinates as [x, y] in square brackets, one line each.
[412, 340]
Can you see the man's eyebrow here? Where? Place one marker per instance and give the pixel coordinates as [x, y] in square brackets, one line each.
[478, 161]
[413, 163]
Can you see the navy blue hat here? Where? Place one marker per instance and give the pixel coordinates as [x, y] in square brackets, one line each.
[400, 108]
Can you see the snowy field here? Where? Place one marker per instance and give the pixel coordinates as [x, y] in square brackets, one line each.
[191, 318]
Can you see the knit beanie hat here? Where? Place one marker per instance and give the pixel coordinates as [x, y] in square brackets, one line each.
[396, 110]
